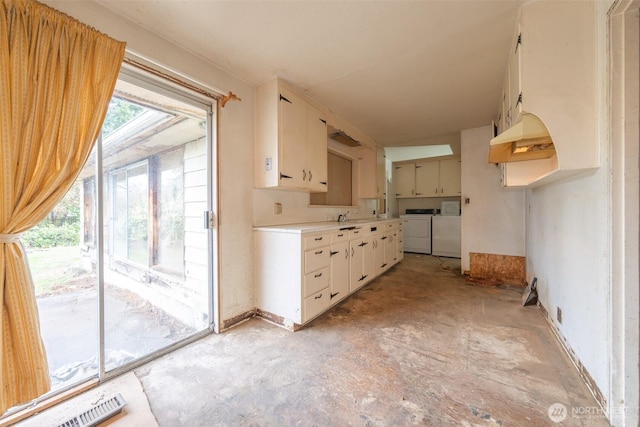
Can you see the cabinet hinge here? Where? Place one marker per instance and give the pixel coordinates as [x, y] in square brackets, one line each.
[518, 42]
[282, 98]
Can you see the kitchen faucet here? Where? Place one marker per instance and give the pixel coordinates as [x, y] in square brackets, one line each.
[343, 217]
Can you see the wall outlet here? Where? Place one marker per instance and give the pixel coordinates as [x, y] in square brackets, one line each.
[559, 314]
[267, 164]
[277, 208]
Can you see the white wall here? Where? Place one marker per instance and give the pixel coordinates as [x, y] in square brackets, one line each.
[568, 226]
[235, 138]
[494, 220]
[568, 235]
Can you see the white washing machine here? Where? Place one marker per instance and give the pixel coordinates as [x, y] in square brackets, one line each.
[417, 232]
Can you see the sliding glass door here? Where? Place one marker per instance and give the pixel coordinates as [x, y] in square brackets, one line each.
[127, 272]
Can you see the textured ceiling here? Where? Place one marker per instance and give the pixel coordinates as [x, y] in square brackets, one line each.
[402, 72]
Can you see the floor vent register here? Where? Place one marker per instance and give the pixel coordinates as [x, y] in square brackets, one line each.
[97, 414]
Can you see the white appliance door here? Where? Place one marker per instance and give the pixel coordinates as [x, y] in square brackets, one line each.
[446, 236]
[417, 234]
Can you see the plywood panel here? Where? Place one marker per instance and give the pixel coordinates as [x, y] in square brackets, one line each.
[501, 268]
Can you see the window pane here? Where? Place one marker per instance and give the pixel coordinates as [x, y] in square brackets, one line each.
[171, 220]
[63, 270]
[138, 215]
[156, 268]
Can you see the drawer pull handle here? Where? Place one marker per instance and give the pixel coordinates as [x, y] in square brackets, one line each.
[318, 275]
[317, 239]
[340, 235]
[318, 252]
[333, 295]
[331, 253]
[318, 296]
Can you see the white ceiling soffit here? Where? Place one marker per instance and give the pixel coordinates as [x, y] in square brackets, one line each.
[400, 71]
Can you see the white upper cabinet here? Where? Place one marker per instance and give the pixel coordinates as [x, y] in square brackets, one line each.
[450, 177]
[428, 178]
[291, 141]
[316, 150]
[367, 173]
[405, 179]
[554, 72]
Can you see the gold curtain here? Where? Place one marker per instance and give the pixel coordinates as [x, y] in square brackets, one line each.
[56, 79]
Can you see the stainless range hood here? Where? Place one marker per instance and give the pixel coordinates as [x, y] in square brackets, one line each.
[528, 139]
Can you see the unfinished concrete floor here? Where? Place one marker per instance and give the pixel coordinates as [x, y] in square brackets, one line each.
[418, 346]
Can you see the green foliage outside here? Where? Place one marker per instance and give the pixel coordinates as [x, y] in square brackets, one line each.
[119, 113]
[61, 227]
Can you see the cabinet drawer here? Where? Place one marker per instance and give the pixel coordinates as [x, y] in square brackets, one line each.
[316, 304]
[316, 281]
[340, 236]
[316, 240]
[316, 259]
[359, 232]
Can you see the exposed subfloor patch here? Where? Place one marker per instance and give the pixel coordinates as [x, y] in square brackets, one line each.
[417, 346]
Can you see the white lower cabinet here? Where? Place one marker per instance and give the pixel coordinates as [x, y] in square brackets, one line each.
[362, 264]
[339, 282]
[301, 272]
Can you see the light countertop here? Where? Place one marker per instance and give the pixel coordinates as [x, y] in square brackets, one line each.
[309, 227]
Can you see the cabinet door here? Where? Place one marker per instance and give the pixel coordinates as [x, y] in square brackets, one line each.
[316, 150]
[355, 264]
[515, 91]
[367, 181]
[427, 179]
[381, 175]
[391, 249]
[379, 246]
[405, 178]
[450, 178]
[293, 134]
[368, 260]
[339, 284]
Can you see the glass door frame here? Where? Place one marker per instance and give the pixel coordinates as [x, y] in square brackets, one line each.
[144, 79]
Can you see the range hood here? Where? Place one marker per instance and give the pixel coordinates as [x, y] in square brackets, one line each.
[342, 137]
[528, 139]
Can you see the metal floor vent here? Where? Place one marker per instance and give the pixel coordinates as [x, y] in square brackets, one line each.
[97, 414]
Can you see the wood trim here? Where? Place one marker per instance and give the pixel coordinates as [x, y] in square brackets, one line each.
[48, 403]
[235, 320]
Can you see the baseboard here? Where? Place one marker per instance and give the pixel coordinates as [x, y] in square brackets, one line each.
[584, 374]
[236, 320]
